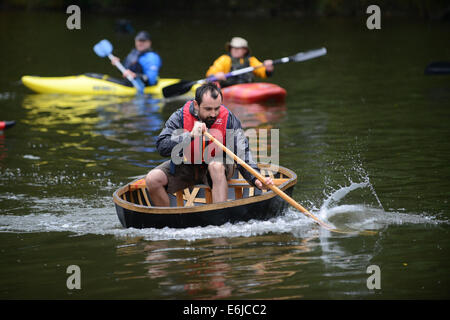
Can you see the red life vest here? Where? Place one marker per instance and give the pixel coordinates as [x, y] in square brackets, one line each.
[217, 130]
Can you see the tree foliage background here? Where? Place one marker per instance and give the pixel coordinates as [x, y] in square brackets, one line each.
[426, 9]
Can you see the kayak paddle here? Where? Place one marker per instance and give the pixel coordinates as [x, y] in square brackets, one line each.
[184, 86]
[104, 49]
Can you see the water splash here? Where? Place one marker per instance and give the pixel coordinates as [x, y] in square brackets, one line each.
[97, 216]
[338, 195]
[103, 221]
[365, 216]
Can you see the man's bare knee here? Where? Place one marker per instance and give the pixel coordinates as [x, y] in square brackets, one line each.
[155, 179]
[216, 169]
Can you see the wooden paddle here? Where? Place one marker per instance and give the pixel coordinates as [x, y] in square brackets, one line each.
[104, 49]
[184, 86]
[279, 192]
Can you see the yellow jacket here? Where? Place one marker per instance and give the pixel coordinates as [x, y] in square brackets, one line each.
[223, 64]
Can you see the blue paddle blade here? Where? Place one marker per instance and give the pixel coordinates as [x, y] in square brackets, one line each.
[103, 48]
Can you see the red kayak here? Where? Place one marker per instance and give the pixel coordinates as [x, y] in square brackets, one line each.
[6, 124]
[258, 92]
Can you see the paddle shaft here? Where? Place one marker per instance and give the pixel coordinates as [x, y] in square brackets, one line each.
[122, 69]
[177, 89]
[242, 71]
[274, 188]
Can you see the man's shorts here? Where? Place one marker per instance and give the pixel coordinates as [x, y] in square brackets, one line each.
[187, 175]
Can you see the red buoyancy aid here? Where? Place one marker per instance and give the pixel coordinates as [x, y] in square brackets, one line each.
[217, 130]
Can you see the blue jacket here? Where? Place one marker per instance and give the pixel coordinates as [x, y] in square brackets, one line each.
[145, 64]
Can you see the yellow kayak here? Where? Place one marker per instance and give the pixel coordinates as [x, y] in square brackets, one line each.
[93, 84]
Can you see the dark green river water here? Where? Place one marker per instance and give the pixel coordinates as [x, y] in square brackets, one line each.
[367, 133]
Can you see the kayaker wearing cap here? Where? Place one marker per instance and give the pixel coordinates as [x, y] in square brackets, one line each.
[238, 57]
[142, 62]
[188, 165]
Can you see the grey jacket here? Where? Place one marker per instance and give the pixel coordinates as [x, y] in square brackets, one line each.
[171, 136]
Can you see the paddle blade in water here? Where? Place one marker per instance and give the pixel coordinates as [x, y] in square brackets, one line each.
[103, 48]
[177, 89]
[138, 84]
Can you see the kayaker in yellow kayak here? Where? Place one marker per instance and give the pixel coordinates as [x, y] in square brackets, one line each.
[142, 62]
[238, 57]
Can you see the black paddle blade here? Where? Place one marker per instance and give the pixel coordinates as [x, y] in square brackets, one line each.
[440, 67]
[177, 89]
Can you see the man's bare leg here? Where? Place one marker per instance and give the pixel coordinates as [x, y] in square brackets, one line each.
[156, 180]
[220, 184]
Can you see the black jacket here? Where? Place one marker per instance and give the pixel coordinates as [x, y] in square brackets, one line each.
[168, 139]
